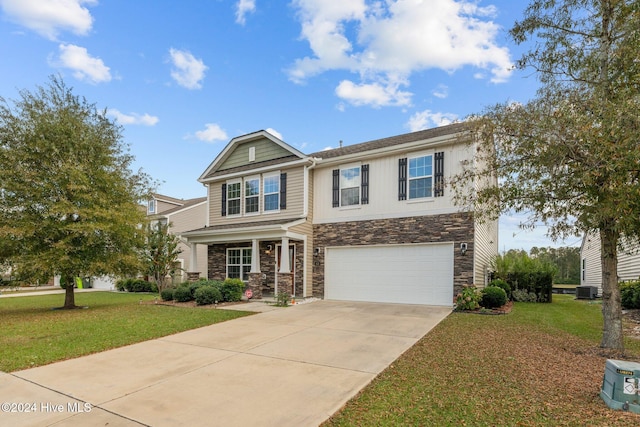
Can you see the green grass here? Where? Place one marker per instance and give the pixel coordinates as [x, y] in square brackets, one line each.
[34, 334]
[540, 365]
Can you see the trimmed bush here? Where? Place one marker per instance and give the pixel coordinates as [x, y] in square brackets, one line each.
[167, 294]
[136, 285]
[182, 294]
[630, 294]
[207, 295]
[493, 297]
[232, 289]
[502, 284]
[193, 287]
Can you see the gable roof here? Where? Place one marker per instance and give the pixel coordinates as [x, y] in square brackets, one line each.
[186, 205]
[214, 170]
[392, 141]
[163, 198]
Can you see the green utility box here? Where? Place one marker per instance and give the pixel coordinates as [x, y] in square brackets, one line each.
[621, 385]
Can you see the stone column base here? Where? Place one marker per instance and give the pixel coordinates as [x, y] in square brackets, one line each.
[255, 284]
[285, 283]
[193, 276]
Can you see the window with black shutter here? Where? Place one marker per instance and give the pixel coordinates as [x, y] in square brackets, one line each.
[402, 179]
[438, 174]
[224, 199]
[364, 185]
[336, 188]
[283, 190]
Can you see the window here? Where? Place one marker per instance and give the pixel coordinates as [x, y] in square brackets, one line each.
[233, 198]
[350, 186]
[151, 206]
[239, 263]
[271, 193]
[420, 177]
[252, 195]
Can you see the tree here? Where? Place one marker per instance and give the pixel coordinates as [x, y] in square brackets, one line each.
[68, 200]
[160, 253]
[570, 158]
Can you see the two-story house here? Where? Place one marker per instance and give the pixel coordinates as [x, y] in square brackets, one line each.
[373, 221]
[181, 215]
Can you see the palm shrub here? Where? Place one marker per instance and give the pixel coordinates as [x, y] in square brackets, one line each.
[493, 297]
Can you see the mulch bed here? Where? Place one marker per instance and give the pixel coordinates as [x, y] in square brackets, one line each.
[505, 309]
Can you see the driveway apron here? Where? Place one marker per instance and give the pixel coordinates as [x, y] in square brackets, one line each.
[293, 366]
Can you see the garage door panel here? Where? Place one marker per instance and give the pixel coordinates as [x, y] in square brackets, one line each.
[411, 274]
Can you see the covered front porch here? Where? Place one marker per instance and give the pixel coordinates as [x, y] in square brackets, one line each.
[254, 253]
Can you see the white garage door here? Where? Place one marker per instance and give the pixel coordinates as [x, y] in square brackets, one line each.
[408, 274]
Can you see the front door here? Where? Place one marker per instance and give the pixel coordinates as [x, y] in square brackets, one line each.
[292, 258]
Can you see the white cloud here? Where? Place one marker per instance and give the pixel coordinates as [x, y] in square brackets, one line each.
[84, 66]
[188, 71]
[133, 118]
[374, 94]
[49, 17]
[427, 119]
[243, 7]
[275, 133]
[442, 91]
[212, 133]
[390, 40]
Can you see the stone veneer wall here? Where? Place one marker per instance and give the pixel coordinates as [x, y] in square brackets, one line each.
[456, 228]
[217, 262]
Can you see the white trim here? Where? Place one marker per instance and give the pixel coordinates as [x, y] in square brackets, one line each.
[228, 183]
[244, 194]
[226, 261]
[409, 179]
[263, 194]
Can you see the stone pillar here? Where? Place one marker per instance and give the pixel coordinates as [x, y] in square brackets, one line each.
[193, 276]
[285, 283]
[255, 284]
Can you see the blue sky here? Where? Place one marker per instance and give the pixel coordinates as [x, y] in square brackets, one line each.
[183, 78]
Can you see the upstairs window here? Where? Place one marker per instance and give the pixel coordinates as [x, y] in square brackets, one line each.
[151, 206]
[420, 177]
[233, 198]
[271, 190]
[252, 195]
[350, 186]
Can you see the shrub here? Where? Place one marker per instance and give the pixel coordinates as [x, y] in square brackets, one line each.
[193, 287]
[493, 297]
[182, 294]
[630, 294]
[232, 289]
[207, 295]
[282, 299]
[502, 284]
[136, 285]
[167, 294]
[523, 295]
[468, 299]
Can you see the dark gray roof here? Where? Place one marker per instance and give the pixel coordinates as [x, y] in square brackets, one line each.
[185, 204]
[391, 141]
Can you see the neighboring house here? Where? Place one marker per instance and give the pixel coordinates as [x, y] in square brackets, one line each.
[368, 222]
[182, 215]
[591, 266]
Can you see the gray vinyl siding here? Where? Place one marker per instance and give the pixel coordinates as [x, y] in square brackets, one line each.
[264, 150]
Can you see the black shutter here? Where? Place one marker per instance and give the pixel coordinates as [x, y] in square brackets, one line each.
[224, 199]
[439, 175]
[364, 185]
[283, 190]
[336, 188]
[402, 179]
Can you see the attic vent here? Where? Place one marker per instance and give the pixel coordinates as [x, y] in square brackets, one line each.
[252, 154]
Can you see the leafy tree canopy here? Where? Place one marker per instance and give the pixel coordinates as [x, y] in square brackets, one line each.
[68, 198]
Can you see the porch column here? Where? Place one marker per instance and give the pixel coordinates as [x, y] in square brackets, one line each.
[255, 276]
[285, 266]
[255, 257]
[193, 275]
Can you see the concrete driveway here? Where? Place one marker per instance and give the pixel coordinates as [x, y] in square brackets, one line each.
[292, 366]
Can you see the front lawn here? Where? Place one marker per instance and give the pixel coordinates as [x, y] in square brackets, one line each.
[540, 365]
[33, 334]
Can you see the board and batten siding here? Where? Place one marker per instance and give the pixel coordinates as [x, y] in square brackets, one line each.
[383, 190]
[295, 201]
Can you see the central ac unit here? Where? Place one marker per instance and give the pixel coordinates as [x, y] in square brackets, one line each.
[586, 292]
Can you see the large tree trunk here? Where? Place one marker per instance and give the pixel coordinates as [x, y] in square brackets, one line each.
[69, 296]
[612, 336]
